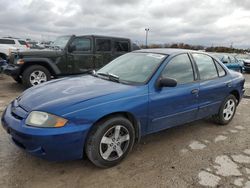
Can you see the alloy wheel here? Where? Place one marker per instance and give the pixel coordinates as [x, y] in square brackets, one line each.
[229, 109]
[37, 77]
[114, 143]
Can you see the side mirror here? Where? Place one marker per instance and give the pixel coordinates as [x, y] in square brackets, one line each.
[166, 82]
[71, 48]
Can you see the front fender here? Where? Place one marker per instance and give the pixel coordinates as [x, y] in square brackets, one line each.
[42, 61]
[134, 105]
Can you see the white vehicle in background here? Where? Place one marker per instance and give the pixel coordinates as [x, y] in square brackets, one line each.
[8, 45]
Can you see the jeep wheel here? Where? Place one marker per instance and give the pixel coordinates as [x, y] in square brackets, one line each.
[35, 75]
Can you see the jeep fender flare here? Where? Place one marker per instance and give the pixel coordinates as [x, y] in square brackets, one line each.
[46, 62]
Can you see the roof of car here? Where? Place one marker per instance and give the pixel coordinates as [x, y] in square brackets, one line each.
[166, 51]
[104, 36]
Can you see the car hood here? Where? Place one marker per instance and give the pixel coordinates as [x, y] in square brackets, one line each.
[60, 94]
[40, 53]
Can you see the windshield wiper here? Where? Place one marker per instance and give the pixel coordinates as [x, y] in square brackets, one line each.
[110, 76]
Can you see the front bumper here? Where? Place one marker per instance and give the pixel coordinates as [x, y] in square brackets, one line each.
[54, 144]
[12, 70]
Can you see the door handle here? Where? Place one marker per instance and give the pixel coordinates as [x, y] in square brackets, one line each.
[195, 91]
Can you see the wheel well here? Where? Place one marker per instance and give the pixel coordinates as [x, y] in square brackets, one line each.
[3, 56]
[26, 65]
[128, 116]
[236, 94]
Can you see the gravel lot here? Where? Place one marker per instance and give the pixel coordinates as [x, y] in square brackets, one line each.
[194, 155]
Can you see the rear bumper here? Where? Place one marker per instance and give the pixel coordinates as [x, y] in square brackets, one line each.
[54, 144]
[12, 70]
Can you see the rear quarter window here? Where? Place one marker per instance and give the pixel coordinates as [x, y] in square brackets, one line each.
[121, 46]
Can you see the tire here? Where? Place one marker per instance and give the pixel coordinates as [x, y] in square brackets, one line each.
[220, 117]
[17, 79]
[97, 147]
[28, 78]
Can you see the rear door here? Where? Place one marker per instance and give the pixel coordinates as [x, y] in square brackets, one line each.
[171, 106]
[214, 84]
[103, 52]
[80, 56]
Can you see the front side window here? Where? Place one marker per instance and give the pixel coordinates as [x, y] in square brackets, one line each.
[81, 44]
[103, 45]
[179, 68]
[206, 66]
[133, 67]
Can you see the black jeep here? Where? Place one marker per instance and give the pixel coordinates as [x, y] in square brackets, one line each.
[68, 55]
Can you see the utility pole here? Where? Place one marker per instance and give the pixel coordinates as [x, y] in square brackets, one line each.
[146, 29]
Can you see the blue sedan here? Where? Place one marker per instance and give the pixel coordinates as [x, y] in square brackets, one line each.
[105, 113]
[230, 61]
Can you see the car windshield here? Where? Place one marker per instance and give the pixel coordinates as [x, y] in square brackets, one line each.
[132, 67]
[61, 41]
[243, 56]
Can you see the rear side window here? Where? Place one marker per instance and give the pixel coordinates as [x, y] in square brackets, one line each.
[121, 46]
[221, 71]
[206, 66]
[22, 42]
[103, 45]
[81, 44]
[179, 68]
[6, 41]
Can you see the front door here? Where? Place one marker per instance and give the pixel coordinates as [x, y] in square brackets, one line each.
[80, 56]
[171, 106]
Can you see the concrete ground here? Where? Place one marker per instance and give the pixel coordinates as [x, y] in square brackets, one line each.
[198, 154]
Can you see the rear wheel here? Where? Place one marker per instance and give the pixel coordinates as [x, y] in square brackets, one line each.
[35, 75]
[110, 142]
[227, 111]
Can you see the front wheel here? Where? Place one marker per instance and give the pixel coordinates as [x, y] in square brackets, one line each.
[227, 111]
[35, 75]
[110, 142]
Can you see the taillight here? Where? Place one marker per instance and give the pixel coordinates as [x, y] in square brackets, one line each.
[27, 45]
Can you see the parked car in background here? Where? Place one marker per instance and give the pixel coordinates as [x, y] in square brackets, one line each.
[34, 45]
[69, 55]
[8, 45]
[104, 114]
[245, 58]
[230, 61]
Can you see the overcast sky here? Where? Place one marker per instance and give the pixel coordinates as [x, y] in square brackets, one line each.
[205, 22]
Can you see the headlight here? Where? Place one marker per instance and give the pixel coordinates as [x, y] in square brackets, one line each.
[20, 61]
[43, 119]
